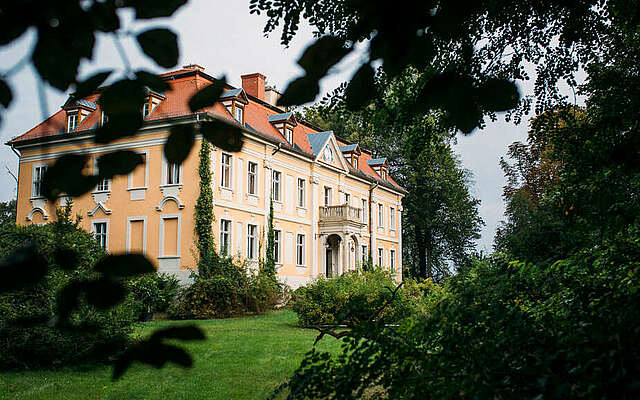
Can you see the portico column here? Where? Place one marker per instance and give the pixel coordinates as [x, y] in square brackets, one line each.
[345, 253]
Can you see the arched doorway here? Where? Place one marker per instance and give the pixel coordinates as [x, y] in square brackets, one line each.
[353, 249]
[332, 255]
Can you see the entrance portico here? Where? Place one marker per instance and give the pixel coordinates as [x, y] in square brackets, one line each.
[340, 232]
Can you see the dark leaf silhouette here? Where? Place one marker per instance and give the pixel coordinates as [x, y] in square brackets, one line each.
[5, 94]
[118, 163]
[124, 265]
[152, 81]
[498, 95]
[22, 268]
[188, 332]
[300, 91]
[104, 293]
[119, 126]
[319, 57]
[67, 300]
[207, 96]
[14, 21]
[153, 353]
[66, 258]
[161, 45]
[123, 97]
[361, 89]
[104, 16]
[179, 143]
[54, 59]
[89, 86]
[147, 9]
[225, 135]
[65, 176]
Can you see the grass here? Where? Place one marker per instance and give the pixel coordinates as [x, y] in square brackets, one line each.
[242, 358]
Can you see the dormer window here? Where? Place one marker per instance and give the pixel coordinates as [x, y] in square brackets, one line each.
[284, 123]
[381, 166]
[239, 114]
[354, 162]
[72, 122]
[146, 109]
[151, 101]
[351, 152]
[234, 101]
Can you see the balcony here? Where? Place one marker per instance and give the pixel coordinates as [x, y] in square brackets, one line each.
[342, 214]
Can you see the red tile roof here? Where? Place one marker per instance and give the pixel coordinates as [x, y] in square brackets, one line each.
[184, 83]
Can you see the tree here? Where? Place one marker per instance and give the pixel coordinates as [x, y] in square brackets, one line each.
[203, 213]
[269, 268]
[7, 212]
[440, 219]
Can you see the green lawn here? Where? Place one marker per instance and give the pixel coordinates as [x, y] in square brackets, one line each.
[242, 358]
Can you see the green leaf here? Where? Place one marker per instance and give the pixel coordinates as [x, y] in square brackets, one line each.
[65, 176]
[24, 267]
[118, 163]
[148, 9]
[226, 135]
[152, 81]
[179, 143]
[319, 57]
[207, 96]
[89, 85]
[124, 265]
[5, 94]
[498, 95]
[361, 89]
[161, 45]
[188, 332]
[300, 91]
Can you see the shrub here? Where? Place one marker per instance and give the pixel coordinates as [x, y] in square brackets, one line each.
[353, 297]
[228, 294]
[24, 339]
[155, 292]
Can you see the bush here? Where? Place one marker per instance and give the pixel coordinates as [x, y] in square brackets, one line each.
[25, 339]
[354, 297]
[155, 292]
[226, 295]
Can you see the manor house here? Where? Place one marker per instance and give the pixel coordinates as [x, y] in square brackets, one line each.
[334, 204]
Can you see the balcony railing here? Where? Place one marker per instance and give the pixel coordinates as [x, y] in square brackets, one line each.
[343, 212]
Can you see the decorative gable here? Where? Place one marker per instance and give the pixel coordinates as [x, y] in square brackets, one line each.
[325, 148]
[284, 123]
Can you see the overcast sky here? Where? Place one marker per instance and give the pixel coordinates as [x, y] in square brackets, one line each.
[225, 39]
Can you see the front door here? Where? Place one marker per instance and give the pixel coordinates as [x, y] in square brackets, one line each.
[328, 264]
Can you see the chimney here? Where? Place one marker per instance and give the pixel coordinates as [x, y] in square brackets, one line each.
[271, 96]
[253, 84]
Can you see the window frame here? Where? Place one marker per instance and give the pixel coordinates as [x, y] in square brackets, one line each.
[347, 198]
[365, 214]
[328, 196]
[392, 261]
[301, 250]
[252, 238]
[365, 253]
[226, 250]
[104, 185]
[144, 232]
[174, 178]
[380, 215]
[76, 121]
[105, 234]
[42, 169]
[146, 109]
[161, 248]
[276, 195]
[237, 109]
[288, 134]
[253, 175]
[302, 193]
[380, 257]
[277, 246]
[228, 167]
[392, 218]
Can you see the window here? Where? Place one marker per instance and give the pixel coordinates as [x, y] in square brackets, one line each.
[170, 236]
[225, 236]
[38, 174]
[392, 218]
[302, 188]
[300, 250]
[100, 233]
[252, 178]
[277, 235]
[365, 254]
[364, 210]
[173, 174]
[72, 122]
[327, 196]
[104, 118]
[277, 175]
[380, 257]
[146, 109]
[239, 111]
[103, 185]
[392, 261]
[251, 241]
[354, 161]
[289, 135]
[383, 173]
[225, 175]
[380, 215]
[347, 198]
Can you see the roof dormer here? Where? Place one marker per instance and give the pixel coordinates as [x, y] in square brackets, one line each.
[351, 152]
[381, 166]
[76, 111]
[234, 101]
[284, 123]
[151, 101]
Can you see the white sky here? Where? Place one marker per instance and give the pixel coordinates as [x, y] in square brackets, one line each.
[225, 39]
